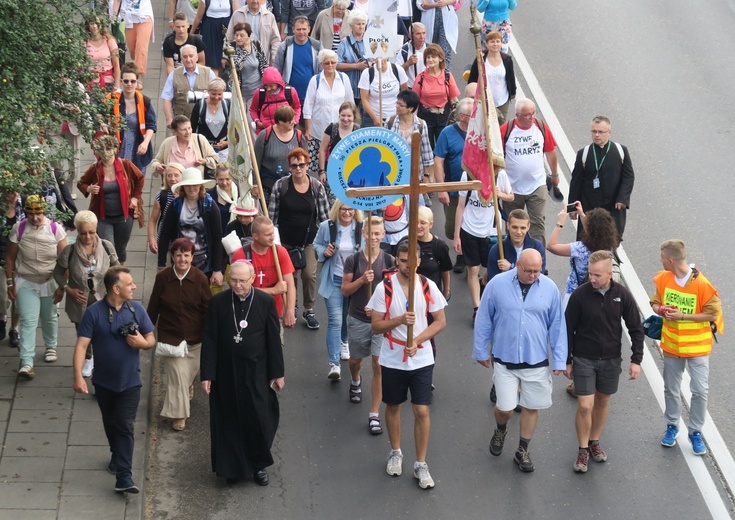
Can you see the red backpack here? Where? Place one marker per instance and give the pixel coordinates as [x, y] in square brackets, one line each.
[388, 285]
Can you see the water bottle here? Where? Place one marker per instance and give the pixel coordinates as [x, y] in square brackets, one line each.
[279, 171]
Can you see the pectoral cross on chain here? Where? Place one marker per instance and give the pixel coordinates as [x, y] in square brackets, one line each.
[237, 338]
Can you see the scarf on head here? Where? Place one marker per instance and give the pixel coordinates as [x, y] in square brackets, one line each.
[121, 180]
[229, 200]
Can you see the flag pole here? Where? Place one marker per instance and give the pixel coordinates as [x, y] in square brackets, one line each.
[230, 52]
[475, 29]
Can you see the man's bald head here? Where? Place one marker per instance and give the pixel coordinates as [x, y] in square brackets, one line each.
[528, 265]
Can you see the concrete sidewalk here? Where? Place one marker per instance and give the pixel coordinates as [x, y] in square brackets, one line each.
[54, 455]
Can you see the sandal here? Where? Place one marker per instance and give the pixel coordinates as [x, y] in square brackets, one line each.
[374, 425]
[50, 355]
[356, 393]
[178, 424]
[570, 389]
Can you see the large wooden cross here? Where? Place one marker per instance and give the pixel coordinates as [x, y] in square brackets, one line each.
[414, 190]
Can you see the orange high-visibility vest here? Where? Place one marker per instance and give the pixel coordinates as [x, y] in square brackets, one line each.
[140, 108]
[684, 338]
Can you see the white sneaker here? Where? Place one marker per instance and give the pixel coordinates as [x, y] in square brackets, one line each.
[88, 367]
[421, 472]
[27, 372]
[335, 372]
[395, 464]
[344, 351]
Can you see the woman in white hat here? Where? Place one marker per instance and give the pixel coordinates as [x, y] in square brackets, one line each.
[194, 215]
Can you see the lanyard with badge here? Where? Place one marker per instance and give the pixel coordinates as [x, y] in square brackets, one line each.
[596, 180]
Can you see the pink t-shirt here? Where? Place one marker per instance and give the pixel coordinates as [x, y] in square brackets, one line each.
[433, 89]
[187, 157]
[101, 56]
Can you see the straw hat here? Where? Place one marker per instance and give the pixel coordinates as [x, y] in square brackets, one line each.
[193, 177]
[245, 206]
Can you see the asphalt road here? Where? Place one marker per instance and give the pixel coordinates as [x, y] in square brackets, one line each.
[664, 81]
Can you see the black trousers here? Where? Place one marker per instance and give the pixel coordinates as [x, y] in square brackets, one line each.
[118, 417]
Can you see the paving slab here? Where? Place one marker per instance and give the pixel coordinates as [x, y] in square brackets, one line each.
[87, 457]
[48, 421]
[28, 514]
[31, 469]
[30, 398]
[88, 482]
[87, 433]
[4, 410]
[92, 508]
[7, 385]
[50, 376]
[86, 410]
[38, 495]
[35, 445]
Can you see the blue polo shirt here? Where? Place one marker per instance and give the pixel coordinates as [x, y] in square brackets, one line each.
[116, 364]
[449, 146]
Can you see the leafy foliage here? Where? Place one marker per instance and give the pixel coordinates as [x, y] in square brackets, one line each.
[44, 70]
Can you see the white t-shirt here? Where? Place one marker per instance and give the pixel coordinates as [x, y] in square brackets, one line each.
[391, 88]
[418, 67]
[524, 159]
[496, 81]
[478, 218]
[345, 248]
[393, 358]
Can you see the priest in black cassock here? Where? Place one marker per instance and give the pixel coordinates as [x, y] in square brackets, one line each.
[242, 369]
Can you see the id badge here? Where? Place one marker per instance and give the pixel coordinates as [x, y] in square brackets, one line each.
[596, 182]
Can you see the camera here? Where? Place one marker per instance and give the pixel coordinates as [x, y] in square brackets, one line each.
[571, 208]
[128, 328]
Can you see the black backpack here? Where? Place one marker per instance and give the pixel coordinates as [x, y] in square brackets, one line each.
[287, 91]
[371, 73]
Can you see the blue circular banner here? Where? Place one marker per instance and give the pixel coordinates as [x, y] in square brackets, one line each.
[369, 157]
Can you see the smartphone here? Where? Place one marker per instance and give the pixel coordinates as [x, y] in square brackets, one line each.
[571, 208]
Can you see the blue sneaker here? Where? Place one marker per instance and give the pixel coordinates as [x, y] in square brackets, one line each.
[698, 446]
[669, 439]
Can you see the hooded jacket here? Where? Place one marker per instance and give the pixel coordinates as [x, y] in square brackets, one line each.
[265, 112]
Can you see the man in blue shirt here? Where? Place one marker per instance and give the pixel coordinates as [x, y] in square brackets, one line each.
[520, 314]
[296, 57]
[119, 328]
[448, 167]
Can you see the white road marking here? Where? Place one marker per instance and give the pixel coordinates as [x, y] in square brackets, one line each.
[717, 446]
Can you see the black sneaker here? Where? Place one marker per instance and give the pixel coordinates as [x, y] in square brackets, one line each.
[14, 338]
[126, 485]
[459, 266]
[310, 319]
[496, 443]
[523, 459]
[3, 330]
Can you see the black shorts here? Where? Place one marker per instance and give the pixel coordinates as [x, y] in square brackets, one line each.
[596, 375]
[397, 383]
[474, 249]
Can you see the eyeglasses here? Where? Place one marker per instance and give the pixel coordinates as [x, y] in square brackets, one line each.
[298, 166]
[329, 63]
[527, 116]
[349, 210]
[532, 272]
[129, 81]
[401, 105]
[466, 115]
[599, 132]
[234, 281]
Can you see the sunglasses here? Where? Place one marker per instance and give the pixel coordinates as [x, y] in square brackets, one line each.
[129, 81]
[299, 166]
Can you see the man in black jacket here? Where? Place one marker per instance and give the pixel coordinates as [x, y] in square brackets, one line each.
[594, 332]
[603, 176]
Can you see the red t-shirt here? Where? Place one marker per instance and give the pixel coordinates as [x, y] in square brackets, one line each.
[265, 270]
[432, 90]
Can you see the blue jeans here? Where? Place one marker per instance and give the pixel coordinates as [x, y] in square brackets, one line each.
[337, 307]
[118, 417]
